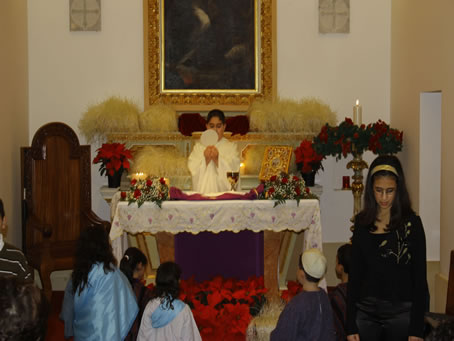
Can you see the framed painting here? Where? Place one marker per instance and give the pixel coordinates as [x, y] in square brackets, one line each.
[276, 159]
[201, 54]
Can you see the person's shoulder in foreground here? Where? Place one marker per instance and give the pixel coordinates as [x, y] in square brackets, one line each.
[12, 260]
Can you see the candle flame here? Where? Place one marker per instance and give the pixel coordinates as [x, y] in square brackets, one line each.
[139, 176]
[357, 102]
[241, 165]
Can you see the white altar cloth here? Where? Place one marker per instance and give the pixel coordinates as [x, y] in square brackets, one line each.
[216, 216]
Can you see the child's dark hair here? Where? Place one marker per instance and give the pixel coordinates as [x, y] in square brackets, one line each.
[24, 310]
[131, 258]
[216, 113]
[93, 247]
[167, 283]
[344, 256]
[309, 278]
[439, 330]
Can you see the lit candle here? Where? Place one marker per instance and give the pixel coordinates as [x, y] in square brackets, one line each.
[139, 176]
[357, 113]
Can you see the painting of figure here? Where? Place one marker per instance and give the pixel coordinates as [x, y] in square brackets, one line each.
[209, 45]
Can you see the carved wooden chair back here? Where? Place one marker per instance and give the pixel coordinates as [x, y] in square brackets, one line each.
[56, 182]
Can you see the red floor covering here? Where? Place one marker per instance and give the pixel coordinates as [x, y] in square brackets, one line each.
[55, 326]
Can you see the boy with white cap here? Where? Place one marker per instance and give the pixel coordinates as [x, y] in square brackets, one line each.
[308, 316]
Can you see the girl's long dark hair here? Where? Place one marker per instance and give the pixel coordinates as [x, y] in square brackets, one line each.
[167, 283]
[128, 263]
[401, 207]
[93, 247]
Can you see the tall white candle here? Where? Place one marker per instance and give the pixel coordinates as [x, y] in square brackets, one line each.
[357, 113]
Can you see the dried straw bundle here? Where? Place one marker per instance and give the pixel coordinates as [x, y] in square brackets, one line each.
[262, 325]
[164, 161]
[115, 114]
[285, 115]
[159, 118]
[253, 157]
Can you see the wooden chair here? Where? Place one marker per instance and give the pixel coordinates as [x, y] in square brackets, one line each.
[56, 187]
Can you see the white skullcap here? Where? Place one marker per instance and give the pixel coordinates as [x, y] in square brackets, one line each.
[314, 263]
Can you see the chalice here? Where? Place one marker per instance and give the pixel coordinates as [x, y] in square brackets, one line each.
[233, 179]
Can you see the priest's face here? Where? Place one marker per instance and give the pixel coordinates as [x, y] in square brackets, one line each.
[216, 124]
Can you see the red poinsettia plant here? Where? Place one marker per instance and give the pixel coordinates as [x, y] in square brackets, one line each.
[348, 138]
[223, 308]
[114, 157]
[306, 158]
[293, 289]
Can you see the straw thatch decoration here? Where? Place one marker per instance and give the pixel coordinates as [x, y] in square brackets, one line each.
[159, 118]
[262, 325]
[252, 159]
[285, 115]
[112, 115]
[163, 161]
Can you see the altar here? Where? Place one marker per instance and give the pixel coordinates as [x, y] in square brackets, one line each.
[216, 216]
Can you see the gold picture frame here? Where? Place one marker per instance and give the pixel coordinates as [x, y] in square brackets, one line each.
[276, 159]
[191, 99]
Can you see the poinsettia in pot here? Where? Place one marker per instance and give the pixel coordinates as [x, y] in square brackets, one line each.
[349, 138]
[114, 159]
[308, 161]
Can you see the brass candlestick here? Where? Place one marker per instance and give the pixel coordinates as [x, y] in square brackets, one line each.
[358, 165]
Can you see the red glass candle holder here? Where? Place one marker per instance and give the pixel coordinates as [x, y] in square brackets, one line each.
[345, 182]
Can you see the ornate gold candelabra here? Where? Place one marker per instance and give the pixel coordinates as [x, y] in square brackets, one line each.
[358, 165]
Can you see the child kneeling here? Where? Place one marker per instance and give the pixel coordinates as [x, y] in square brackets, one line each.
[166, 318]
[308, 316]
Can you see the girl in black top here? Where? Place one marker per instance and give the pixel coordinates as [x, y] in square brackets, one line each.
[387, 288]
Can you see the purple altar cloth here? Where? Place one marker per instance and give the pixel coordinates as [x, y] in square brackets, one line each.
[232, 255]
[177, 194]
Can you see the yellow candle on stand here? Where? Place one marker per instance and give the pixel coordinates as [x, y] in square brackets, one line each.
[357, 113]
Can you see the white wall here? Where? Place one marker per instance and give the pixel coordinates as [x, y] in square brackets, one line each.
[423, 60]
[337, 68]
[70, 70]
[430, 170]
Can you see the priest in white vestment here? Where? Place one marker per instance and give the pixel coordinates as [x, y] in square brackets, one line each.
[209, 164]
